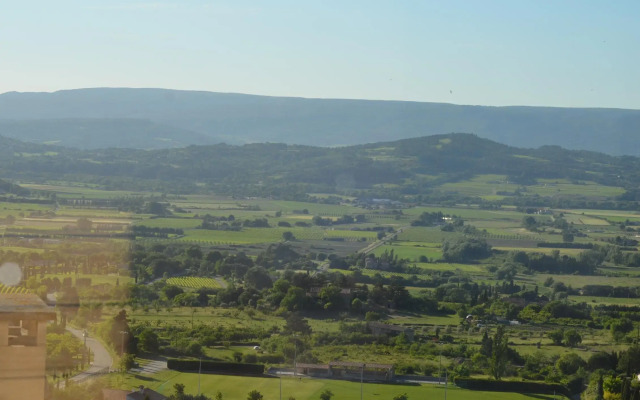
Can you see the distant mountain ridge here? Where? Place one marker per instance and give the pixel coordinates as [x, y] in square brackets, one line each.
[162, 118]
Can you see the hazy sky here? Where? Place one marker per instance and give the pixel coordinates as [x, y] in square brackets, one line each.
[556, 52]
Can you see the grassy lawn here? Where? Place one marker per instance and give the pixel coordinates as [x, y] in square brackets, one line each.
[82, 191]
[441, 320]
[426, 235]
[16, 208]
[411, 251]
[578, 281]
[236, 388]
[96, 279]
[472, 268]
[205, 315]
[183, 223]
[551, 187]
[593, 300]
[272, 235]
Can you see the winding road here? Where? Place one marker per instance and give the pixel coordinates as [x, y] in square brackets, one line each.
[101, 358]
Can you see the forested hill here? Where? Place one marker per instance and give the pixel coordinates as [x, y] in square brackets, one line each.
[158, 118]
[8, 188]
[402, 169]
[98, 133]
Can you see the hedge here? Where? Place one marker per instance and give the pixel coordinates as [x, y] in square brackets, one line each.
[512, 386]
[271, 358]
[566, 245]
[219, 367]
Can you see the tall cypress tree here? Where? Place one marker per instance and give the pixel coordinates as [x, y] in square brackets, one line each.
[499, 354]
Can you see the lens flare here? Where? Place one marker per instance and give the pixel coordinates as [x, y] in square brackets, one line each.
[10, 274]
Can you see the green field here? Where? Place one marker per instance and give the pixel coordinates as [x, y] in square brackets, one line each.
[182, 223]
[605, 300]
[86, 191]
[16, 208]
[578, 281]
[236, 388]
[411, 251]
[96, 279]
[489, 187]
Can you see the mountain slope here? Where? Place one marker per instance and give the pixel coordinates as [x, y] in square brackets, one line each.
[97, 133]
[238, 118]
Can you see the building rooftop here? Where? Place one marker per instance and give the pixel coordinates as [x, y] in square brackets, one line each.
[316, 366]
[114, 394]
[359, 364]
[28, 306]
[145, 393]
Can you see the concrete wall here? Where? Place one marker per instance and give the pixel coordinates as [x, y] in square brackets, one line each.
[22, 368]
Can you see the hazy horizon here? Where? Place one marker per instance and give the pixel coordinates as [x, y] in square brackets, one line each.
[497, 53]
[314, 98]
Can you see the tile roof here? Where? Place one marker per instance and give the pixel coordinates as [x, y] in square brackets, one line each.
[24, 304]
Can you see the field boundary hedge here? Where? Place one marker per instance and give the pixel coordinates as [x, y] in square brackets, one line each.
[218, 367]
[564, 245]
[512, 386]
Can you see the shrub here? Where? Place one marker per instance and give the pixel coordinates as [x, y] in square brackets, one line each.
[250, 358]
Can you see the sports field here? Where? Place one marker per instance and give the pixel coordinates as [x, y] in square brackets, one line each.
[237, 388]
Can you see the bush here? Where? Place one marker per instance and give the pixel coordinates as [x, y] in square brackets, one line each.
[270, 358]
[372, 316]
[127, 362]
[250, 358]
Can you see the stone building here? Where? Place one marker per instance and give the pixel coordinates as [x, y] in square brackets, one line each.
[23, 347]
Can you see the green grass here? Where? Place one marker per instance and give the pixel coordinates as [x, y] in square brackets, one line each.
[578, 281]
[549, 187]
[411, 251]
[223, 353]
[481, 185]
[16, 208]
[96, 279]
[207, 316]
[183, 223]
[440, 320]
[82, 190]
[579, 219]
[488, 186]
[246, 236]
[236, 388]
[18, 249]
[272, 235]
[542, 250]
[428, 235]
[593, 300]
[471, 268]
[75, 212]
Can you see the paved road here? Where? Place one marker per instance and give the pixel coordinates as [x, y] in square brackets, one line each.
[151, 366]
[101, 358]
[380, 242]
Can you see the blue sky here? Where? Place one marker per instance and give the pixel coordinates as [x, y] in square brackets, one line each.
[550, 53]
